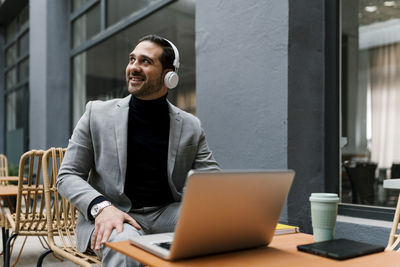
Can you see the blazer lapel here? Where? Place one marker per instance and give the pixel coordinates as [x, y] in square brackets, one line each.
[175, 129]
[121, 133]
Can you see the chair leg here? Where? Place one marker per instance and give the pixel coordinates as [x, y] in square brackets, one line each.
[41, 258]
[7, 235]
[3, 236]
[7, 249]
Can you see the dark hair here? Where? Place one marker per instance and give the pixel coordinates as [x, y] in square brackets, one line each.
[168, 55]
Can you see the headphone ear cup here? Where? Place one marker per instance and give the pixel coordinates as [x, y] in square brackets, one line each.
[171, 79]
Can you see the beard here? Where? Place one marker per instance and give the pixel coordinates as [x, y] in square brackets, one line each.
[148, 87]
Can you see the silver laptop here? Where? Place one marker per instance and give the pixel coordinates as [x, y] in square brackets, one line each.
[223, 211]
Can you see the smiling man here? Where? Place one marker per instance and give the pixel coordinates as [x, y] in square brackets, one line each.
[127, 160]
[144, 73]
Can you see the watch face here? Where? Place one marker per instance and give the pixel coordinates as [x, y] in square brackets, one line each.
[95, 210]
[98, 207]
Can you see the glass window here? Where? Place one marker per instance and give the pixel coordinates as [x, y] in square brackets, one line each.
[24, 18]
[370, 97]
[99, 73]
[23, 48]
[11, 31]
[23, 70]
[15, 108]
[77, 4]
[11, 55]
[119, 9]
[16, 115]
[86, 26]
[11, 101]
[79, 85]
[11, 78]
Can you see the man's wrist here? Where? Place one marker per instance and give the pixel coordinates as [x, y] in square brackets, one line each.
[94, 202]
[97, 208]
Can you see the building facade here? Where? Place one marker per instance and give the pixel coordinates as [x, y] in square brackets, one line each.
[264, 77]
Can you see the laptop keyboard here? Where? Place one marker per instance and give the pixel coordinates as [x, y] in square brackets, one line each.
[166, 245]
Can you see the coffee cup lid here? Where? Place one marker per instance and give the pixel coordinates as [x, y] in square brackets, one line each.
[324, 197]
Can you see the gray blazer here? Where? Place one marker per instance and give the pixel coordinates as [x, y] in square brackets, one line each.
[95, 161]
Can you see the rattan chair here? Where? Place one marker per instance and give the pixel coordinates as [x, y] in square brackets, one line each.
[3, 221]
[394, 237]
[61, 215]
[29, 218]
[3, 165]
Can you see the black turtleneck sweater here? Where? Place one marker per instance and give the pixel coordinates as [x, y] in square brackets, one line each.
[146, 182]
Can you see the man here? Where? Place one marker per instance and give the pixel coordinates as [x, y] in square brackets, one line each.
[127, 160]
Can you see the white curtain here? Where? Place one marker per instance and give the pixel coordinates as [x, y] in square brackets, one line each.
[384, 86]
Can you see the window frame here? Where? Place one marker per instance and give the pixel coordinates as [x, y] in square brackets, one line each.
[333, 117]
[107, 32]
[20, 85]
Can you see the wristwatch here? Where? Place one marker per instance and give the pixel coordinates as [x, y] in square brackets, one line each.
[96, 209]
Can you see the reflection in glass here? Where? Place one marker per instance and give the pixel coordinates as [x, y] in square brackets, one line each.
[11, 55]
[370, 97]
[23, 45]
[11, 31]
[11, 78]
[15, 110]
[119, 9]
[99, 73]
[11, 101]
[77, 4]
[24, 17]
[16, 102]
[78, 85]
[23, 70]
[86, 26]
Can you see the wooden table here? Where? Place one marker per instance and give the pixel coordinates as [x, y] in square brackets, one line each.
[281, 252]
[9, 178]
[8, 190]
[5, 192]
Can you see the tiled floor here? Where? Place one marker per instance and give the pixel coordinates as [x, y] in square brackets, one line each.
[31, 253]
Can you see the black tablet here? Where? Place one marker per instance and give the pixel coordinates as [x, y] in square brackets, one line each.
[340, 249]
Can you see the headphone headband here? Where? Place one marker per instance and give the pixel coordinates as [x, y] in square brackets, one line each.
[176, 59]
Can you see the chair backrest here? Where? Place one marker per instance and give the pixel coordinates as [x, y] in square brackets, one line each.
[3, 165]
[30, 212]
[395, 171]
[61, 215]
[362, 177]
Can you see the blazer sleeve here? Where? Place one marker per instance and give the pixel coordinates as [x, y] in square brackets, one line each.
[78, 161]
[204, 158]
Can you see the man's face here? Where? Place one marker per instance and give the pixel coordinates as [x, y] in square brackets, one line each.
[144, 74]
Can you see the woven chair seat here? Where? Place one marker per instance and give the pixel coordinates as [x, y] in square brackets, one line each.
[29, 218]
[87, 258]
[61, 214]
[4, 222]
[29, 224]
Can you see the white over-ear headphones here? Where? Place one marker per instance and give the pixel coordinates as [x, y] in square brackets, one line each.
[171, 78]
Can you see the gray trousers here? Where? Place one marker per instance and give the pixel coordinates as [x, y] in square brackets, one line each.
[152, 220]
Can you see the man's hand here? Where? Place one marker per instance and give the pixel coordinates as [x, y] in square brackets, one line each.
[108, 219]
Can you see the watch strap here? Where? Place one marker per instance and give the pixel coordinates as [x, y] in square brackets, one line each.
[95, 201]
[100, 206]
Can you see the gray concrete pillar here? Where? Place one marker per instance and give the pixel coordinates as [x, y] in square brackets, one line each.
[242, 81]
[2, 94]
[49, 73]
